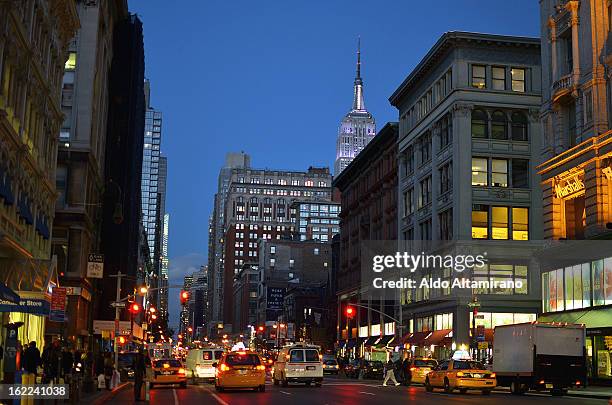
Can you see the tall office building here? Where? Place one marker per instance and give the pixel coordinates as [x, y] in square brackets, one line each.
[258, 206]
[153, 195]
[215, 237]
[357, 128]
[164, 224]
[185, 314]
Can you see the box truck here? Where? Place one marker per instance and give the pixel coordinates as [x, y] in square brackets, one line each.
[540, 356]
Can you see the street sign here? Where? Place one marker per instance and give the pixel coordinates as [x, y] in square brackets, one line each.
[117, 304]
[58, 305]
[95, 265]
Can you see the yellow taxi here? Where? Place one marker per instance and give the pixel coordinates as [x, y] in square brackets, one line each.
[463, 375]
[419, 368]
[240, 369]
[167, 371]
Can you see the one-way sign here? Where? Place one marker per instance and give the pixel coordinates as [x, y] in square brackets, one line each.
[95, 265]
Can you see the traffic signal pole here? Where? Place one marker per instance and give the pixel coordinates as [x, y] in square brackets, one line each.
[117, 331]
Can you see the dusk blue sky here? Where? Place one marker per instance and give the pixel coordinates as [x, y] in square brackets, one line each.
[274, 78]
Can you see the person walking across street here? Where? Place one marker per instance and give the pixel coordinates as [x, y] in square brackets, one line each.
[389, 374]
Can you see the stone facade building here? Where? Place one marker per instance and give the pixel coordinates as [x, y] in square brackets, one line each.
[34, 39]
[469, 143]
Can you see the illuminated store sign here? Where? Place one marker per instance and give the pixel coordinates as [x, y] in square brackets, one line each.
[571, 187]
[607, 171]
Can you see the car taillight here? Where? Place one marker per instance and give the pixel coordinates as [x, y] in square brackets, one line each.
[269, 361]
[320, 357]
[181, 371]
[460, 374]
[413, 368]
[224, 367]
[260, 367]
[492, 375]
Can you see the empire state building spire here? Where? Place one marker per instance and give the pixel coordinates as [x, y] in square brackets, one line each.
[358, 103]
[357, 128]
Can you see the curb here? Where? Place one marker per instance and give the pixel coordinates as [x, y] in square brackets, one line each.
[571, 393]
[104, 398]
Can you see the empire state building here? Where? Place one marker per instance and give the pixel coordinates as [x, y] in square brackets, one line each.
[357, 128]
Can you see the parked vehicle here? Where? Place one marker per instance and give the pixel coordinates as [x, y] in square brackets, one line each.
[351, 369]
[463, 375]
[540, 356]
[374, 369]
[199, 363]
[298, 363]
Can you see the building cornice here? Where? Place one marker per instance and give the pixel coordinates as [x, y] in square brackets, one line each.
[451, 40]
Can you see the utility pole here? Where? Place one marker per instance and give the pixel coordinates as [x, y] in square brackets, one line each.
[117, 304]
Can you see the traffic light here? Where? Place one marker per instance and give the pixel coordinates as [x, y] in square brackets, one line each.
[190, 329]
[153, 317]
[122, 340]
[350, 312]
[261, 328]
[134, 308]
[184, 297]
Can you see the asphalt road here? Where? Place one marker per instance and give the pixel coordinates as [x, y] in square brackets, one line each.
[337, 391]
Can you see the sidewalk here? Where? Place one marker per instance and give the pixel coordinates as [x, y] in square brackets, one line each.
[104, 396]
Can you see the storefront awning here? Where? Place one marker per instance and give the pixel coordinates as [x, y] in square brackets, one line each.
[416, 338]
[438, 338]
[6, 294]
[371, 340]
[594, 318]
[385, 340]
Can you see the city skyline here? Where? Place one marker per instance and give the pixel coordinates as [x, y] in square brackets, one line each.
[240, 72]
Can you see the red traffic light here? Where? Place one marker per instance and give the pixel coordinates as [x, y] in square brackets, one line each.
[122, 340]
[261, 328]
[184, 297]
[350, 312]
[190, 329]
[134, 308]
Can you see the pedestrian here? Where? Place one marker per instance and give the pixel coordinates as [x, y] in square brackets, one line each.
[389, 374]
[140, 369]
[31, 361]
[50, 360]
[406, 370]
[109, 365]
[67, 362]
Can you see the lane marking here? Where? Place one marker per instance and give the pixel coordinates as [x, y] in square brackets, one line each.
[176, 402]
[215, 396]
[367, 393]
[286, 393]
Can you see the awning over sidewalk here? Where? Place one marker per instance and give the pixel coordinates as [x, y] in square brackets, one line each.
[416, 338]
[385, 340]
[6, 294]
[438, 338]
[594, 318]
[371, 340]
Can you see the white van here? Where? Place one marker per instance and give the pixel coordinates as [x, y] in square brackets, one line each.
[199, 363]
[298, 363]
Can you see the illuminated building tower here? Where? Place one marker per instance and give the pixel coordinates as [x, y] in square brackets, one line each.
[357, 128]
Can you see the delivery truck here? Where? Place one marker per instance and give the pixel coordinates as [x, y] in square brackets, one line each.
[540, 356]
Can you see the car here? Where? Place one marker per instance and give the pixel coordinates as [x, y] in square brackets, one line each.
[419, 368]
[168, 371]
[240, 369]
[126, 361]
[463, 375]
[330, 366]
[374, 369]
[298, 363]
[199, 363]
[351, 369]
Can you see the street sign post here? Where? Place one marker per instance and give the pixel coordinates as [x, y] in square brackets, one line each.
[95, 265]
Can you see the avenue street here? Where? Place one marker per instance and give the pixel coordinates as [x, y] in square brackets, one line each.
[338, 390]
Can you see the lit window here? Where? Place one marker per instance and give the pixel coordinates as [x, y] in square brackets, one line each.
[479, 76]
[480, 221]
[520, 223]
[499, 78]
[499, 222]
[479, 172]
[518, 80]
[499, 173]
[71, 62]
